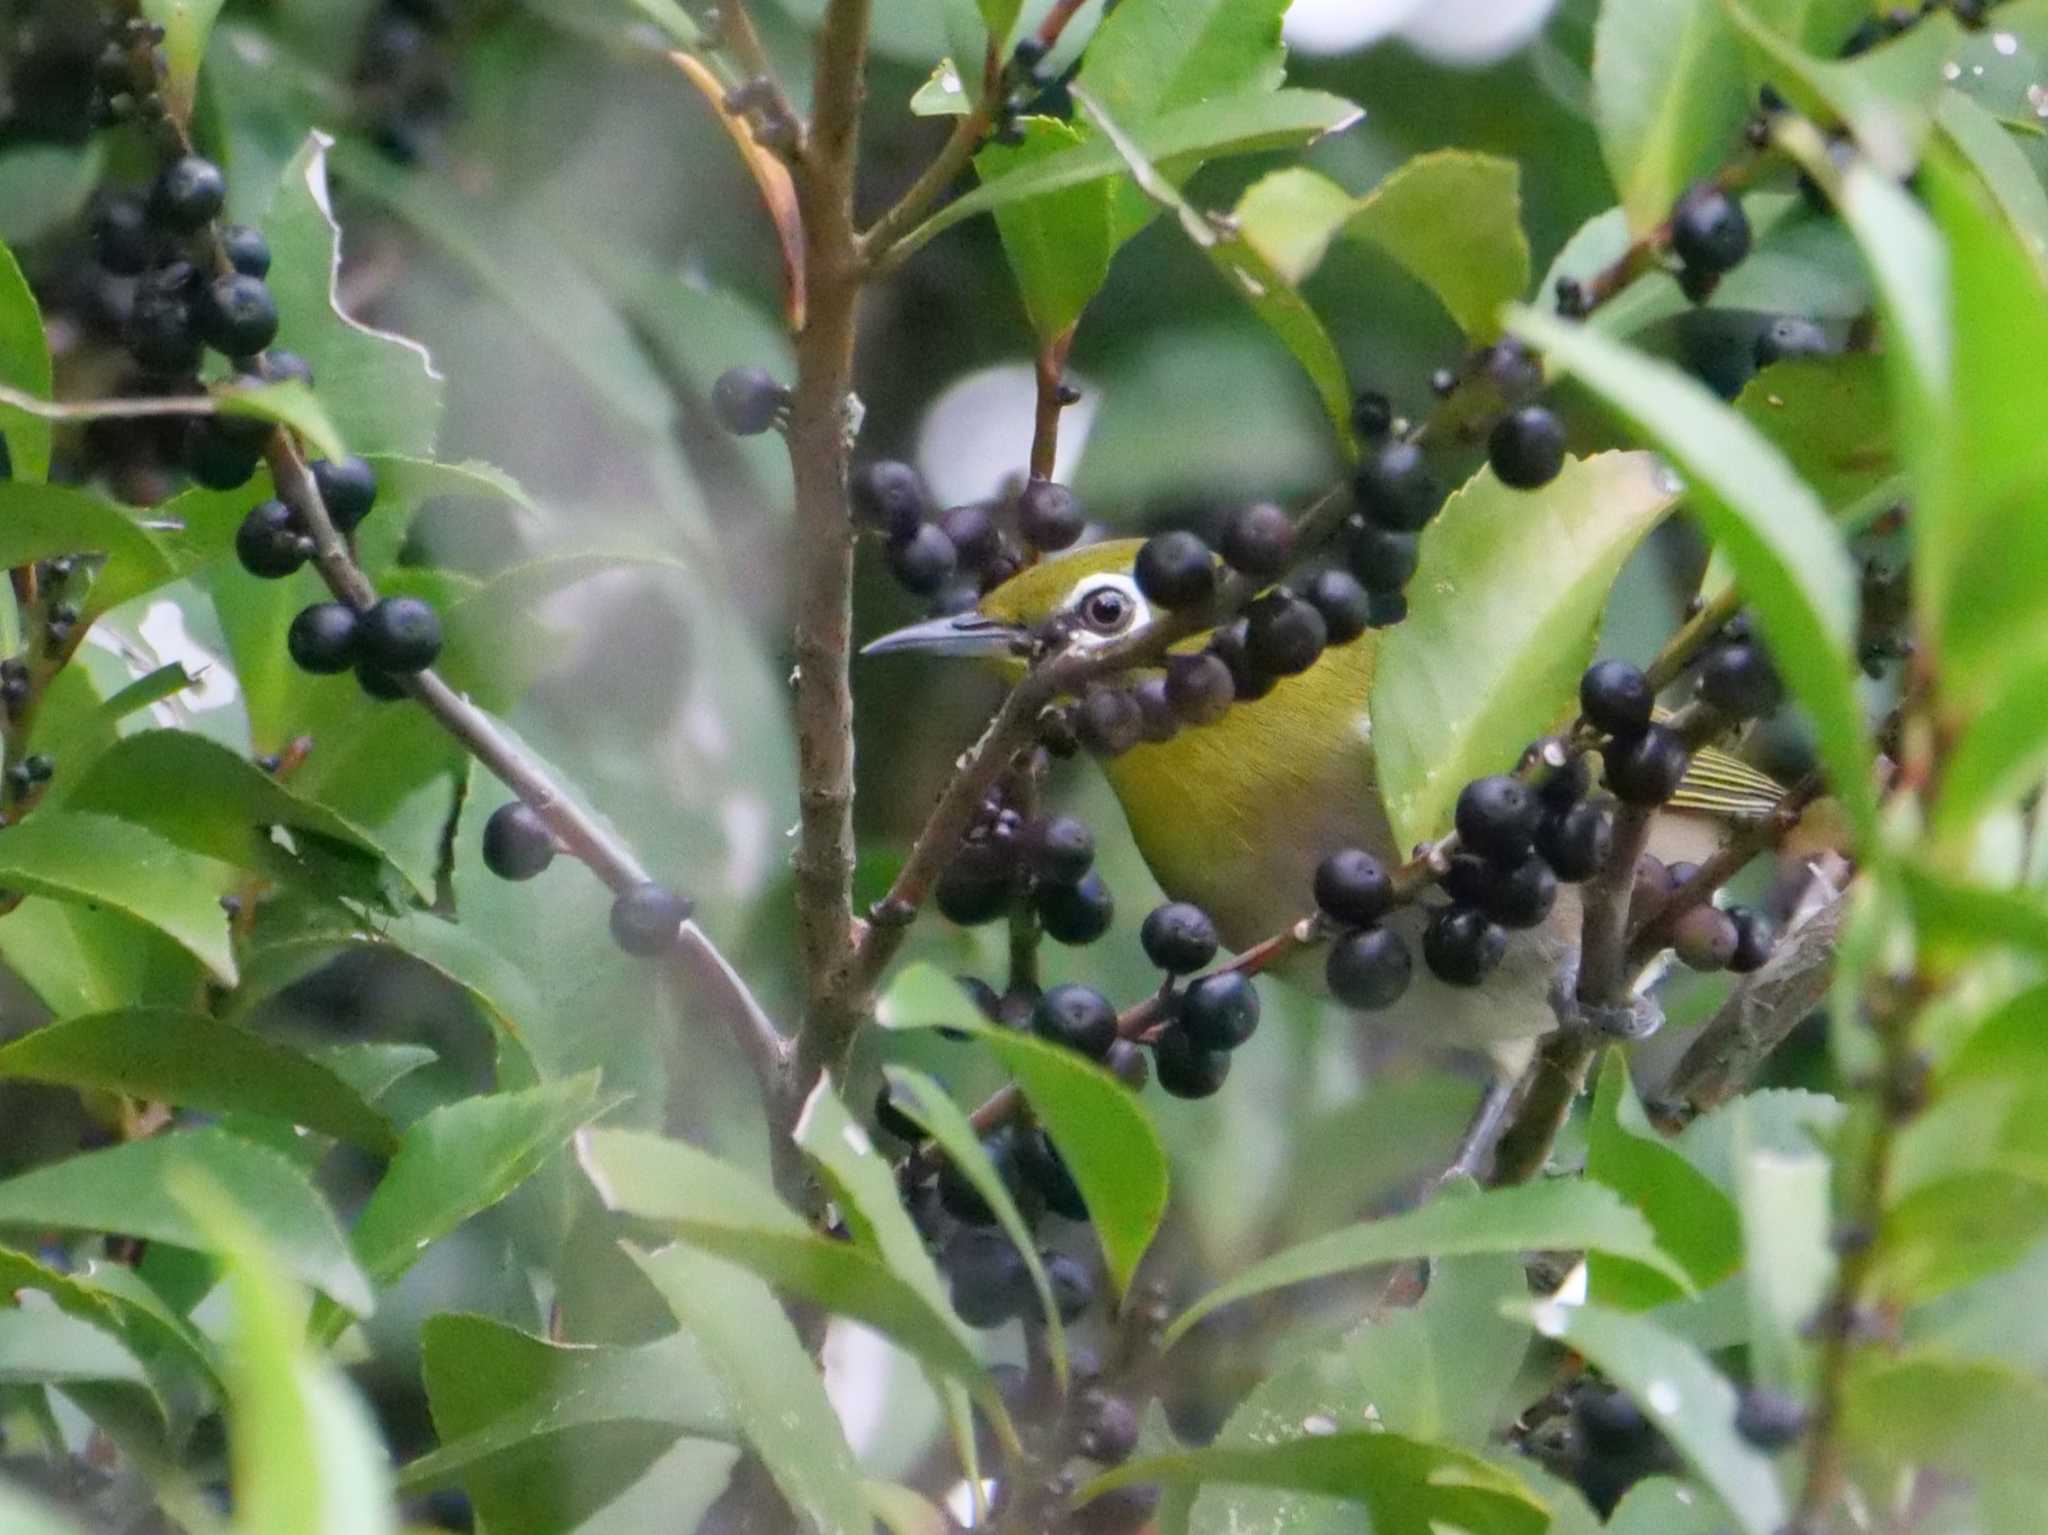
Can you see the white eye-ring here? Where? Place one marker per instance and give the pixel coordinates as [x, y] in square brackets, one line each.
[1106, 606]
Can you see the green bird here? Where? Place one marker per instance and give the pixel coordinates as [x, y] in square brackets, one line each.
[1235, 816]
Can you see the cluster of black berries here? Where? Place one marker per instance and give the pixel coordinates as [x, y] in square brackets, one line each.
[1706, 937]
[967, 550]
[1645, 760]
[405, 75]
[1049, 861]
[127, 72]
[29, 775]
[1395, 495]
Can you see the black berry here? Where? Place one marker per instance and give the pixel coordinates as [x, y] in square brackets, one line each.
[1521, 897]
[1754, 940]
[1497, 818]
[1061, 849]
[889, 496]
[972, 531]
[218, 452]
[1789, 337]
[160, 332]
[323, 639]
[1257, 540]
[517, 843]
[1372, 416]
[986, 1277]
[1709, 230]
[1382, 559]
[747, 400]
[247, 251]
[1108, 1429]
[1076, 914]
[1705, 938]
[1248, 683]
[1185, 1069]
[121, 237]
[1077, 1017]
[1738, 678]
[1462, 946]
[924, 562]
[1107, 721]
[1175, 570]
[1616, 697]
[648, 918]
[238, 316]
[348, 489]
[188, 194]
[1769, 1420]
[1352, 887]
[400, 635]
[1346, 606]
[280, 366]
[1577, 842]
[1178, 937]
[1395, 489]
[1048, 516]
[1648, 769]
[1609, 1422]
[1073, 1289]
[1564, 785]
[978, 886]
[1219, 1012]
[383, 686]
[1284, 636]
[1044, 1169]
[1526, 448]
[894, 1121]
[1369, 969]
[1129, 1064]
[1157, 722]
[957, 1193]
[1199, 688]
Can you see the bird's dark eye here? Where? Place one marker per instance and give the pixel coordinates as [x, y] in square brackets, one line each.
[1105, 610]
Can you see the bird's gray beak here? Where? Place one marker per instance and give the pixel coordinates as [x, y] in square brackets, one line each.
[964, 634]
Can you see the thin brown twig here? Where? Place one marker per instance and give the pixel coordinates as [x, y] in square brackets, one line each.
[1051, 370]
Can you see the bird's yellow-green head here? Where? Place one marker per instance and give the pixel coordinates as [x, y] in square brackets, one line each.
[1091, 585]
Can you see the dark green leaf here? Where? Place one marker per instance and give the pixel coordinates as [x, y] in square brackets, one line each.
[1451, 219]
[194, 1061]
[1968, 1418]
[88, 959]
[1831, 418]
[2000, 757]
[770, 1384]
[1564, 1216]
[1101, 1131]
[1955, 1230]
[1987, 146]
[714, 1206]
[40, 522]
[1240, 125]
[542, 1434]
[1407, 1487]
[305, 1452]
[462, 1158]
[1059, 245]
[370, 1068]
[114, 1300]
[132, 1189]
[1669, 99]
[1502, 618]
[289, 404]
[1153, 57]
[380, 391]
[405, 484]
[24, 365]
[1788, 560]
[96, 860]
[50, 1347]
[1693, 1220]
[1684, 1395]
[1660, 1506]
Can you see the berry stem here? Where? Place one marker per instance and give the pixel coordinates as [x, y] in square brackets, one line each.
[1566, 1058]
[879, 246]
[1045, 429]
[742, 41]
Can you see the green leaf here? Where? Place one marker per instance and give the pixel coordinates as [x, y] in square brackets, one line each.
[289, 404]
[2001, 756]
[87, 959]
[1955, 1230]
[714, 1206]
[773, 1390]
[1685, 1396]
[404, 484]
[130, 1189]
[1783, 1197]
[40, 522]
[24, 365]
[200, 796]
[1407, 1487]
[114, 1300]
[195, 1061]
[1564, 1216]
[1097, 1124]
[48, 1347]
[1820, 27]
[1660, 1506]
[1451, 219]
[1158, 55]
[534, 279]
[944, 94]
[370, 1068]
[543, 1434]
[96, 860]
[1787, 558]
[380, 391]
[1885, 97]
[186, 24]
[926, 1103]
[306, 1457]
[1059, 246]
[1240, 125]
[45, 187]
[1502, 618]
[1669, 99]
[461, 1159]
[1831, 417]
[24, 1515]
[1693, 1220]
[1987, 146]
[1967, 1418]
